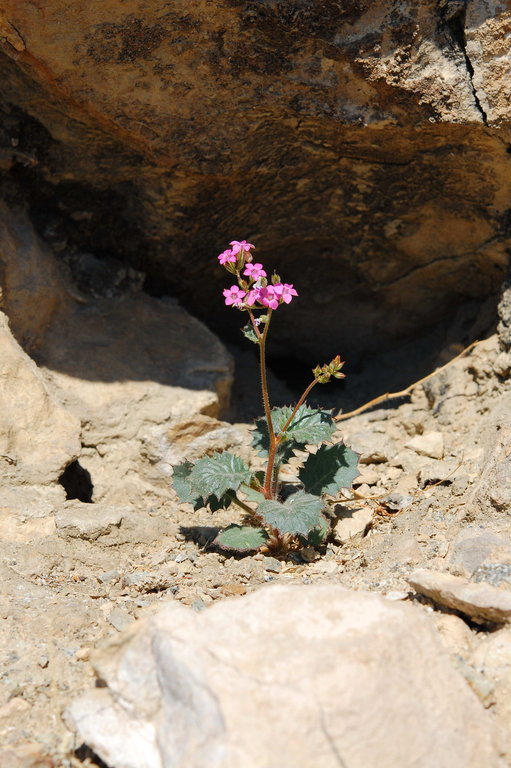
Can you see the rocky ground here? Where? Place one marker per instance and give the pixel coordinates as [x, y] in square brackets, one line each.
[434, 492]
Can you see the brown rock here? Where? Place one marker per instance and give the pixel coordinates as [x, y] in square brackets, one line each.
[374, 121]
[481, 602]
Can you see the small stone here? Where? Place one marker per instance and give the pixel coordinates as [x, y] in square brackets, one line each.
[77, 520]
[147, 581]
[374, 447]
[272, 564]
[14, 707]
[309, 554]
[108, 576]
[352, 522]
[436, 472]
[119, 619]
[481, 602]
[233, 589]
[502, 364]
[43, 661]
[474, 547]
[367, 477]
[397, 501]
[429, 444]
[83, 654]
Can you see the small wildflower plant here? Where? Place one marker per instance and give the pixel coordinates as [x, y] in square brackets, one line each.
[278, 516]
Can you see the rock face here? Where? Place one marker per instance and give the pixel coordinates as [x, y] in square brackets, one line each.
[37, 437]
[116, 377]
[364, 144]
[287, 676]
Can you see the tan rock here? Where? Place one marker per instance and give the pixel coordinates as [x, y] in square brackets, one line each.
[131, 370]
[492, 657]
[474, 547]
[455, 635]
[481, 602]
[38, 437]
[493, 487]
[429, 444]
[216, 688]
[352, 522]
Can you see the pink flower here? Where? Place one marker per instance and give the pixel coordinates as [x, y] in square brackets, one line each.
[252, 297]
[234, 295]
[242, 245]
[254, 271]
[226, 256]
[285, 292]
[268, 297]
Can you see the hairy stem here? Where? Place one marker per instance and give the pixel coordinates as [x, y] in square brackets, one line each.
[267, 489]
[254, 324]
[299, 403]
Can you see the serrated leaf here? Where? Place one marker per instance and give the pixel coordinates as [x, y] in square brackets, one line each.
[309, 425]
[182, 484]
[318, 535]
[249, 333]
[261, 441]
[332, 467]
[299, 514]
[253, 495]
[241, 538]
[219, 473]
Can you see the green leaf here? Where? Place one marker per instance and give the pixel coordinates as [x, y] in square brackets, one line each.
[253, 495]
[182, 484]
[332, 467]
[309, 425]
[300, 513]
[219, 473]
[261, 442]
[249, 333]
[318, 535]
[241, 538]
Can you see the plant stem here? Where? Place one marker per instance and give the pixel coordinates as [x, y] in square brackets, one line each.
[243, 506]
[270, 481]
[299, 403]
[267, 489]
[254, 324]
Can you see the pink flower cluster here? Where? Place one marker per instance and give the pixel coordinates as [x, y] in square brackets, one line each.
[270, 296]
[254, 292]
[237, 247]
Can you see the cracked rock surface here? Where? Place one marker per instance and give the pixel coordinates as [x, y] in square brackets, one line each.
[369, 138]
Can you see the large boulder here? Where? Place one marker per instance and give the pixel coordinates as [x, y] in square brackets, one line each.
[287, 676]
[363, 146]
[117, 382]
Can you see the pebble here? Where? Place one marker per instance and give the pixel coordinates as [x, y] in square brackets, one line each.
[233, 589]
[429, 444]
[272, 564]
[119, 619]
[83, 654]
